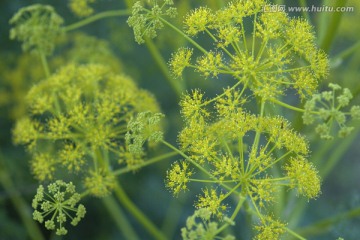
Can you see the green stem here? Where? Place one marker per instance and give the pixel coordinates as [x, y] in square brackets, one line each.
[137, 213]
[184, 35]
[257, 136]
[163, 67]
[45, 64]
[235, 213]
[206, 172]
[20, 204]
[324, 225]
[289, 106]
[119, 217]
[295, 234]
[254, 37]
[255, 144]
[147, 162]
[107, 14]
[347, 52]
[173, 217]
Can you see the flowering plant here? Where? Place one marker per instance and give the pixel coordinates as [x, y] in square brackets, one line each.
[244, 141]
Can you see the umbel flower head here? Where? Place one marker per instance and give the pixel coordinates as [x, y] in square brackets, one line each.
[37, 26]
[279, 53]
[77, 121]
[56, 205]
[236, 150]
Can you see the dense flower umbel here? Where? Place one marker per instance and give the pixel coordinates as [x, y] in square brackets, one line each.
[215, 140]
[78, 120]
[59, 204]
[37, 26]
[268, 62]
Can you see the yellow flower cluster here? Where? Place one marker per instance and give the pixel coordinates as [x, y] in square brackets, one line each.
[215, 139]
[77, 119]
[280, 54]
[178, 177]
[20, 73]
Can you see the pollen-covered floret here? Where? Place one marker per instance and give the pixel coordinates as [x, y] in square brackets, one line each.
[37, 26]
[57, 205]
[213, 202]
[180, 60]
[192, 106]
[178, 177]
[304, 177]
[210, 64]
[199, 20]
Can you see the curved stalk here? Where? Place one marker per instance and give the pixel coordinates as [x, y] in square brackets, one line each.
[107, 14]
[137, 213]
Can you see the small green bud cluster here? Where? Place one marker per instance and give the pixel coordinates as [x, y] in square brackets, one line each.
[203, 229]
[146, 22]
[58, 204]
[144, 127]
[282, 54]
[326, 110]
[37, 26]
